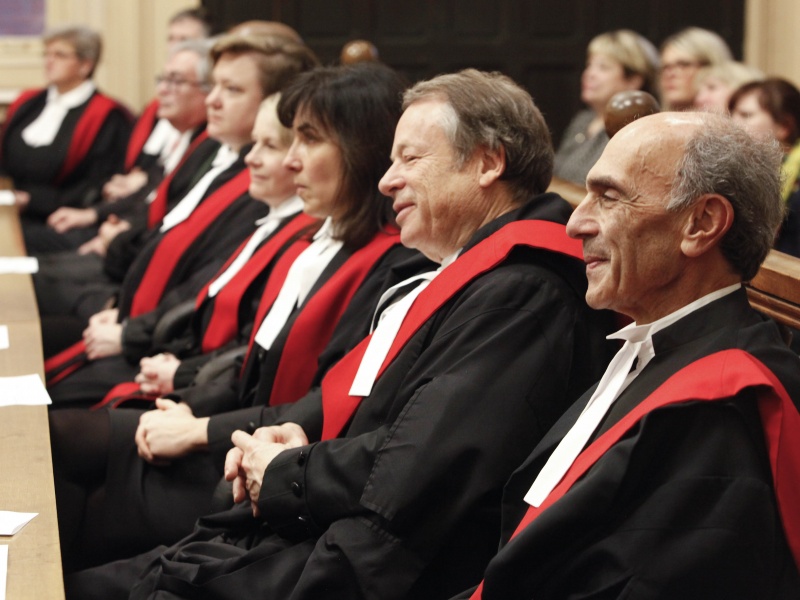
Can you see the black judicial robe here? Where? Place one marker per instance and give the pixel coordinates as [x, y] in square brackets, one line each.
[46, 172]
[100, 376]
[681, 507]
[404, 504]
[146, 505]
[42, 239]
[195, 265]
[72, 284]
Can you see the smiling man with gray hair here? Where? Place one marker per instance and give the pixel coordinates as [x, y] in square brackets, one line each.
[676, 475]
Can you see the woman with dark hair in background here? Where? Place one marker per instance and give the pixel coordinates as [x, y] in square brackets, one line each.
[772, 108]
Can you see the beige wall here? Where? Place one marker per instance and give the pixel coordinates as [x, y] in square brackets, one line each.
[770, 33]
[135, 43]
[134, 35]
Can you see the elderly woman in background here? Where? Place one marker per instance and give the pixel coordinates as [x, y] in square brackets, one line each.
[716, 84]
[683, 54]
[616, 61]
[772, 108]
[61, 143]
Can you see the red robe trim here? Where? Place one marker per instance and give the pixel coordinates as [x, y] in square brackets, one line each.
[23, 98]
[60, 365]
[314, 325]
[86, 130]
[737, 370]
[177, 240]
[141, 131]
[158, 207]
[223, 324]
[338, 406]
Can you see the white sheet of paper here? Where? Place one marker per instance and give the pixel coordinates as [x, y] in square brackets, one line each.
[7, 198]
[3, 337]
[11, 522]
[18, 264]
[3, 570]
[23, 390]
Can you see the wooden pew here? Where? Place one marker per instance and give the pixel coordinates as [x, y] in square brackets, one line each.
[26, 469]
[775, 290]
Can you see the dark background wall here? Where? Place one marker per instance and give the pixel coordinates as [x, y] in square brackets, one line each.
[540, 43]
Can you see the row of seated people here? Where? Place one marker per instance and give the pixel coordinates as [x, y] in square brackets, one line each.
[374, 466]
[359, 263]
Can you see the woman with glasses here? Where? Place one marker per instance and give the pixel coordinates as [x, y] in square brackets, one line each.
[62, 142]
[683, 54]
[615, 61]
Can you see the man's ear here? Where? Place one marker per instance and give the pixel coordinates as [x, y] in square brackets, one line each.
[707, 221]
[492, 164]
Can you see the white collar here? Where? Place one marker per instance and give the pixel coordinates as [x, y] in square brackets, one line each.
[75, 97]
[287, 208]
[637, 333]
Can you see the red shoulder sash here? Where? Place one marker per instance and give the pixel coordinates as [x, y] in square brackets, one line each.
[338, 406]
[86, 131]
[141, 131]
[737, 370]
[158, 207]
[177, 240]
[314, 325]
[24, 97]
[223, 323]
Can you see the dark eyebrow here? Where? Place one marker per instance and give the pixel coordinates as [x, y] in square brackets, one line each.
[306, 127]
[602, 181]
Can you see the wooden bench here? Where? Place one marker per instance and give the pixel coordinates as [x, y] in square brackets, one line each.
[26, 468]
[775, 290]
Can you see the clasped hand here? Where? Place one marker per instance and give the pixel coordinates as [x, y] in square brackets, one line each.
[157, 373]
[103, 336]
[247, 461]
[169, 432]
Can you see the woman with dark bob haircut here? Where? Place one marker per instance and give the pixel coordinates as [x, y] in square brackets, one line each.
[151, 474]
[352, 107]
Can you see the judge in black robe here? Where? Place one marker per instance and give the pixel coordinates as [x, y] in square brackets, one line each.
[683, 487]
[40, 170]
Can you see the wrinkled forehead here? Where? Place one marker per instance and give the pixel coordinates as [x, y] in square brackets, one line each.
[647, 152]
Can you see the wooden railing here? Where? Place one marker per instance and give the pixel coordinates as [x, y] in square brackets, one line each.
[775, 290]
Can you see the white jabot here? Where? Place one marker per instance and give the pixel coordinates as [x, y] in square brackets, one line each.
[302, 275]
[391, 319]
[618, 376]
[266, 226]
[171, 155]
[163, 136]
[43, 129]
[224, 158]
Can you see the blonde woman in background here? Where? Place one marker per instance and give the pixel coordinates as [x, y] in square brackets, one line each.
[683, 54]
[616, 61]
[716, 84]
